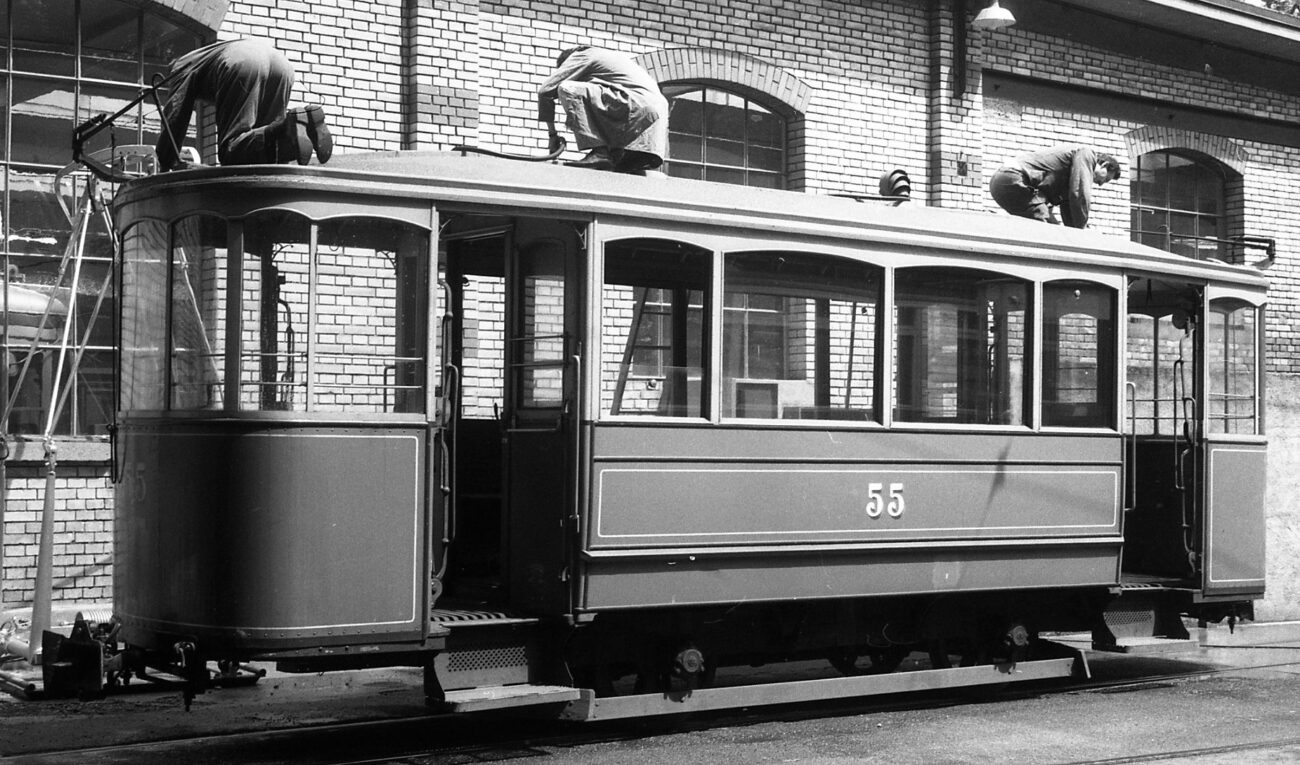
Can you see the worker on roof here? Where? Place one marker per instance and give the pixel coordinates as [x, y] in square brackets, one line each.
[614, 109]
[249, 83]
[1061, 177]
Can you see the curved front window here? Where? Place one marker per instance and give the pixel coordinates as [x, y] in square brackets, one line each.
[326, 317]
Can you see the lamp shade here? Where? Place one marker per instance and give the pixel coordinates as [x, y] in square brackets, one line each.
[993, 17]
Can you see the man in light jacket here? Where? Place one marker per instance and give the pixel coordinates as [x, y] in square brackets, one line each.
[614, 109]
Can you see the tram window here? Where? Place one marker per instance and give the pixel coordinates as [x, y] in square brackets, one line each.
[799, 336]
[1232, 347]
[1078, 355]
[369, 316]
[198, 285]
[1160, 354]
[653, 332]
[144, 316]
[540, 366]
[960, 349]
[273, 341]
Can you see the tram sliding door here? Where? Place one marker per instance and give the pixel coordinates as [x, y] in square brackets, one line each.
[510, 439]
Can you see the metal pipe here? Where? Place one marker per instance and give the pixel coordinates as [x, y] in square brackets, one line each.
[44, 559]
[16, 684]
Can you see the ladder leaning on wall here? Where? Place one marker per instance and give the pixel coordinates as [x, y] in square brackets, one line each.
[92, 203]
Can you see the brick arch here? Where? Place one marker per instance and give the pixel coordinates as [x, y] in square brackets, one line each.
[750, 76]
[1159, 137]
[207, 13]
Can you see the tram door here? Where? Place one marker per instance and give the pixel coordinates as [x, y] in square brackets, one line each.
[510, 438]
[1162, 416]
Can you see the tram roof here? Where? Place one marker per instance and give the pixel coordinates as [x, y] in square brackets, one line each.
[456, 179]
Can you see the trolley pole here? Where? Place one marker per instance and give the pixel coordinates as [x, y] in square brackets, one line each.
[44, 559]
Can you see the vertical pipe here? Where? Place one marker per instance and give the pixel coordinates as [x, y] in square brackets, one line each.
[44, 559]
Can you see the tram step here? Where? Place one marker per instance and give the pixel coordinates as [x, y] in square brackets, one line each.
[1144, 645]
[505, 697]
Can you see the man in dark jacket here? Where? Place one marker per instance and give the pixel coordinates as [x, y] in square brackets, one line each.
[249, 83]
[1062, 177]
[614, 109]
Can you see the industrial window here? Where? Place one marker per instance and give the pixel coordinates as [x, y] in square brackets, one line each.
[1079, 344]
[68, 61]
[1177, 204]
[960, 346]
[799, 336]
[717, 135]
[653, 328]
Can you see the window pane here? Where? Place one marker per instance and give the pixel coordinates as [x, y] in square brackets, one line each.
[725, 130]
[144, 316]
[653, 328]
[540, 378]
[369, 316]
[1078, 355]
[273, 342]
[105, 99]
[960, 350]
[45, 36]
[1232, 349]
[799, 337]
[42, 109]
[4, 108]
[198, 322]
[110, 41]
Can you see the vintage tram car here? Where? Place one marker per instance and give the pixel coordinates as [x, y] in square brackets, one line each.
[576, 440]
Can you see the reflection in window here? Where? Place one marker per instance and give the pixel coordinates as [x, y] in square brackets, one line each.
[1177, 204]
[799, 336]
[653, 331]
[1078, 355]
[1232, 347]
[716, 135]
[960, 350]
[198, 329]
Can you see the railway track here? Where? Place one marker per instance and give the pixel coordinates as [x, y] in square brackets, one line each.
[420, 739]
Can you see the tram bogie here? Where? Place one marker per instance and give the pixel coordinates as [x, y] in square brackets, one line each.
[561, 438]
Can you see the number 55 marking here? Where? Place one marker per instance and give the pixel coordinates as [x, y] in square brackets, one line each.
[877, 504]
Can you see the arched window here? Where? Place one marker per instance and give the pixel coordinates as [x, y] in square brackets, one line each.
[1178, 204]
[717, 135]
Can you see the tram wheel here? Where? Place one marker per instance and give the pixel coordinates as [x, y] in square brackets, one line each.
[875, 661]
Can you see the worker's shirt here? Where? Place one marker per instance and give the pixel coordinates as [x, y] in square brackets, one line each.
[612, 69]
[1064, 176]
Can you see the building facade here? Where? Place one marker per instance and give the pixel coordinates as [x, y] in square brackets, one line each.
[1199, 101]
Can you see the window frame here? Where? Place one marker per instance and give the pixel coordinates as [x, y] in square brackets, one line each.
[750, 106]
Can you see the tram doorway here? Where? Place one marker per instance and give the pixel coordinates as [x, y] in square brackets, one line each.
[1162, 430]
[511, 431]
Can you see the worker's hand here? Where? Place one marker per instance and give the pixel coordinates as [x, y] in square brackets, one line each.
[556, 143]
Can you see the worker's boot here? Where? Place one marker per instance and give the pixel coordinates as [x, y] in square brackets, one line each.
[596, 159]
[313, 119]
[292, 142]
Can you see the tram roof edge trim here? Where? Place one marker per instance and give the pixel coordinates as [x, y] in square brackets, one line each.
[451, 177]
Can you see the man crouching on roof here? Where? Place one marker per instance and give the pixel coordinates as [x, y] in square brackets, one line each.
[614, 109]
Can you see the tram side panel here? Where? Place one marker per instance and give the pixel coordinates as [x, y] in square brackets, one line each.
[751, 515]
[253, 538]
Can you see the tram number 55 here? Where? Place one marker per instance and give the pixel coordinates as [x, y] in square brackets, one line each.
[878, 503]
